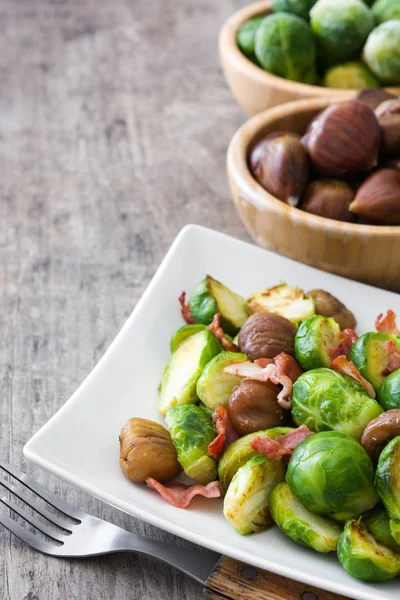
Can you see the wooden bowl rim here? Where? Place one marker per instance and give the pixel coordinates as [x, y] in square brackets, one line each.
[237, 162]
[228, 46]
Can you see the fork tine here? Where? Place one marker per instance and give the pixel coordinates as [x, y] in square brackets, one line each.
[51, 498]
[55, 535]
[27, 536]
[33, 504]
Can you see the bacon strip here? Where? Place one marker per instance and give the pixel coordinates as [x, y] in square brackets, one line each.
[269, 372]
[216, 328]
[387, 323]
[287, 365]
[347, 339]
[347, 367]
[226, 433]
[180, 495]
[185, 309]
[394, 360]
[282, 445]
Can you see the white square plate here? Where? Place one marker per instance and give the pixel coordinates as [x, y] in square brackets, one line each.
[80, 443]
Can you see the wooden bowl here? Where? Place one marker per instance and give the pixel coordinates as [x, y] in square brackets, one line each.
[254, 89]
[369, 253]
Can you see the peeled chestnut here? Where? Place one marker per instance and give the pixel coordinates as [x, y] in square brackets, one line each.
[388, 114]
[378, 199]
[328, 198]
[373, 97]
[253, 406]
[265, 335]
[280, 164]
[343, 139]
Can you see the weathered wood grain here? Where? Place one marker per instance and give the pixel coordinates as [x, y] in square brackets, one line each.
[114, 122]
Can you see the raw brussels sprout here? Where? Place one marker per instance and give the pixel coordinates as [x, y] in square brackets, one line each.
[378, 524]
[389, 392]
[246, 36]
[183, 333]
[350, 76]
[382, 52]
[240, 451]
[246, 501]
[178, 385]
[387, 481]
[341, 26]
[370, 356]
[315, 337]
[212, 297]
[300, 524]
[363, 557]
[324, 399]
[192, 430]
[300, 8]
[214, 387]
[285, 300]
[284, 46]
[331, 474]
[386, 10]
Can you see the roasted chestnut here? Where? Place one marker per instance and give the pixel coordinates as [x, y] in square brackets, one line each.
[378, 199]
[327, 305]
[380, 431]
[373, 97]
[265, 335]
[253, 406]
[388, 114]
[328, 198]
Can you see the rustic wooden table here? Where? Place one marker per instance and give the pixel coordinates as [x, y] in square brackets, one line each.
[114, 123]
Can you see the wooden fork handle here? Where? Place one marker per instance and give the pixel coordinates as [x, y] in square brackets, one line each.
[233, 580]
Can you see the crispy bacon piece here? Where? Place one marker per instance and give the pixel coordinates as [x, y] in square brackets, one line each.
[180, 495]
[394, 360]
[263, 362]
[216, 328]
[282, 445]
[287, 365]
[347, 339]
[269, 372]
[387, 323]
[347, 367]
[351, 334]
[226, 433]
[185, 309]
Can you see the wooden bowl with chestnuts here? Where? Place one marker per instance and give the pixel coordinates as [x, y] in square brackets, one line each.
[319, 181]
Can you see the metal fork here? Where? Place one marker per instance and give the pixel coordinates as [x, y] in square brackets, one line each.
[80, 534]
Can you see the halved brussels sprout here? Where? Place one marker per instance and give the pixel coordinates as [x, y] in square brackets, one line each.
[211, 297]
[240, 451]
[387, 480]
[363, 557]
[371, 357]
[300, 524]
[246, 37]
[235, 340]
[246, 501]
[285, 300]
[378, 523]
[324, 399]
[331, 474]
[389, 392]
[214, 386]
[314, 338]
[394, 525]
[192, 430]
[178, 385]
[183, 333]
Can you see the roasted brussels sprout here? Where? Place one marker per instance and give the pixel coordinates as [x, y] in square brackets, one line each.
[284, 46]
[352, 75]
[147, 451]
[314, 339]
[341, 26]
[285, 300]
[246, 501]
[246, 37]
[331, 474]
[382, 52]
[371, 357]
[394, 525]
[240, 451]
[324, 399]
[378, 524]
[192, 430]
[300, 524]
[387, 481]
[329, 306]
[211, 297]
[183, 333]
[265, 335]
[253, 406]
[389, 392]
[178, 385]
[363, 557]
[386, 10]
[300, 8]
[214, 386]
